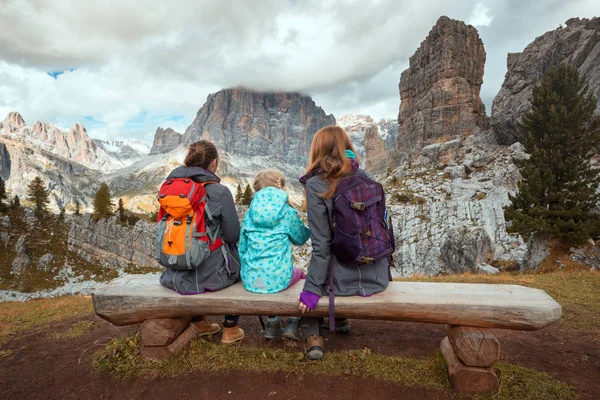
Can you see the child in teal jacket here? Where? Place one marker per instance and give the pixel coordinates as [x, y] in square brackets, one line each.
[269, 229]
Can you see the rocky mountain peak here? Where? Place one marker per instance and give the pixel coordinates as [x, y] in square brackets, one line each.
[38, 128]
[439, 91]
[13, 122]
[78, 130]
[249, 123]
[165, 140]
[578, 44]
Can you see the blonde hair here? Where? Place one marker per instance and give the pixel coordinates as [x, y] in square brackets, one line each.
[268, 178]
[328, 152]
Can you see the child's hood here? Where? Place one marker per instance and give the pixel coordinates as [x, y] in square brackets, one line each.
[268, 206]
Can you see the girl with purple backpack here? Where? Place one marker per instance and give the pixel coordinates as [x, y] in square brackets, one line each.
[332, 158]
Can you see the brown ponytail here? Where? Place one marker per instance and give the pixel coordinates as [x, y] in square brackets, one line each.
[201, 154]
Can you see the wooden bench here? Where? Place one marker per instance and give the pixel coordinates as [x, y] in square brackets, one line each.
[470, 311]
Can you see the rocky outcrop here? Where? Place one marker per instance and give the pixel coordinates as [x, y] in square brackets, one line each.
[465, 250]
[389, 130]
[165, 140]
[373, 141]
[4, 162]
[356, 126]
[21, 260]
[443, 216]
[439, 91]
[241, 122]
[578, 43]
[377, 158]
[12, 123]
[4, 233]
[45, 261]
[111, 245]
[588, 255]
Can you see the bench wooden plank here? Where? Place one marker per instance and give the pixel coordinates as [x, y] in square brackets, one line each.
[135, 298]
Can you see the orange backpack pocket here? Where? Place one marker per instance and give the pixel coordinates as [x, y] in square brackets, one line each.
[175, 240]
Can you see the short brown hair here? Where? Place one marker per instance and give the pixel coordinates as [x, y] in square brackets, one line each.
[268, 178]
[201, 154]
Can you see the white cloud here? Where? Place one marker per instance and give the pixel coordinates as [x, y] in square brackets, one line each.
[138, 56]
[479, 16]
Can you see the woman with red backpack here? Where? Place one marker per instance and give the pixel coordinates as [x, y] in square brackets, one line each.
[197, 234]
[341, 198]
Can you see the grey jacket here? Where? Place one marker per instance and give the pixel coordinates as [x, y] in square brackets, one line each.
[347, 280]
[216, 272]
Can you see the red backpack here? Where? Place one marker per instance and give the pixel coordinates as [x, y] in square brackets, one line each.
[183, 238]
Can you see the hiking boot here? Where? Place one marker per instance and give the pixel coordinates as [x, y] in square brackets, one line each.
[205, 328]
[232, 335]
[273, 328]
[342, 325]
[315, 347]
[291, 329]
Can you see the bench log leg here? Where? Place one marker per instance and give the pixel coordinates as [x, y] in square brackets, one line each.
[163, 338]
[470, 354]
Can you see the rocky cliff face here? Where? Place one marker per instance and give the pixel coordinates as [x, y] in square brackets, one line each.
[67, 180]
[578, 43]
[374, 142]
[246, 123]
[165, 140]
[439, 91]
[377, 159]
[111, 245]
[451, 220]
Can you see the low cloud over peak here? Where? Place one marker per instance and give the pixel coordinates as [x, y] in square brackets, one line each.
[129, 61]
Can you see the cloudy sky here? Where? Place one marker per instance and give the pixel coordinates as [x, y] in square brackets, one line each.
[124, 67]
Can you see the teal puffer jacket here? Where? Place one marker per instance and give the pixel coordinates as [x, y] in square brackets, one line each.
[269, 228]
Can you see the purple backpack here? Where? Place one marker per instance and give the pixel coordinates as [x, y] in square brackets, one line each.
[362, 231]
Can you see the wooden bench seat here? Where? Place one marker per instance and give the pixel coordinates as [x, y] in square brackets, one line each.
[135, 298]
[468, 310]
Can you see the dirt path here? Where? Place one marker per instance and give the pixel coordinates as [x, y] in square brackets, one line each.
[42, 366]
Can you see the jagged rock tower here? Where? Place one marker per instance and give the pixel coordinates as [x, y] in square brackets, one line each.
[439, 91]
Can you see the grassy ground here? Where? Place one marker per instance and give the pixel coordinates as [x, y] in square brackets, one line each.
[25, 316]
[121, 358]
[578, 293]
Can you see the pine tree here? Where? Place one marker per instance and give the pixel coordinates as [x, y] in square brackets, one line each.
[557, 193]
[238, 194]
[121, 211]
[103, 207]
[39, 196]
[247, 197]
[3, 196]
[77, 208]
[16, 202]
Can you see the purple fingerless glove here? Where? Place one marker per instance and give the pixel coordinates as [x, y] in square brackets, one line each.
[309, 299]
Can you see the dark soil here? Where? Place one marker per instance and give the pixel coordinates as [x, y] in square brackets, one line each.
[41, 366]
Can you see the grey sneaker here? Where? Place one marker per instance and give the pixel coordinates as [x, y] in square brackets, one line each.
[273, 328]
[291, 329]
